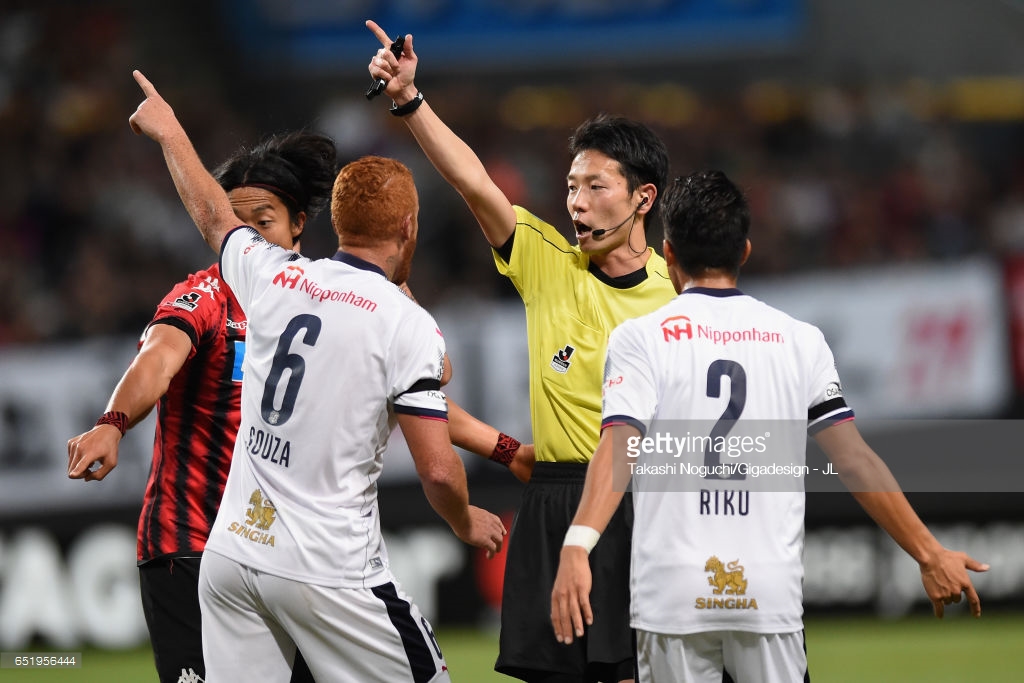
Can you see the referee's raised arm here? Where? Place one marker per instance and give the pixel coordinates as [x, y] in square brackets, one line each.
[449, 154]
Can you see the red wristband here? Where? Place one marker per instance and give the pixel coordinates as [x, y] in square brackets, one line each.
[505, 450]
[116, 418]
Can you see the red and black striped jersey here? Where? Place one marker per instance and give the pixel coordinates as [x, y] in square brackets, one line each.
[197, 419]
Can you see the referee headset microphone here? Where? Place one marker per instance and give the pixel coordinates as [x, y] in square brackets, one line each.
[598, 233]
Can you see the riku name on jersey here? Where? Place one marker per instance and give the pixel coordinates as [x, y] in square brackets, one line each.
[724, 502]
[269, 447]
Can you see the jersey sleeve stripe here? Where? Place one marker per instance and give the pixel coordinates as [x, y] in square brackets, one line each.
[619, 420]
[817, 412]
[431, 384]
[830, 420]
[182, 325]
[440, 415]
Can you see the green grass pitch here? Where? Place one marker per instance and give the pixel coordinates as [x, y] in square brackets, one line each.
[957, 649]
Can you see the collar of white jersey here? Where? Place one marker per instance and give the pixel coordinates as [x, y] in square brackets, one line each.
[714, 291]
[356, 262]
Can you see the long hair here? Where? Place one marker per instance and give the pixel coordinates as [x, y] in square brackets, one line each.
[298, 167]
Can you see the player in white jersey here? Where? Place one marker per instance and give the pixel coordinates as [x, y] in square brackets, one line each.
[716, 574]
[336, 356]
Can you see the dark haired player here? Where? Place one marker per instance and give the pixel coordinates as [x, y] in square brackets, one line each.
[779, 370]
[338, 356]
[189, 366]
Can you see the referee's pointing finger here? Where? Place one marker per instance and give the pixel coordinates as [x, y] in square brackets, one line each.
[382, 36]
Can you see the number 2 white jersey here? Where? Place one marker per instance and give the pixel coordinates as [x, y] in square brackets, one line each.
[710, 550]
[333, 351]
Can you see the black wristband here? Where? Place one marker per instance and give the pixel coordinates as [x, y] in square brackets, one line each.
[407, 108]
[116, 418]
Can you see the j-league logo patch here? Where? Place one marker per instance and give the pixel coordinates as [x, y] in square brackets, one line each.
[560, 361]
[188, 301]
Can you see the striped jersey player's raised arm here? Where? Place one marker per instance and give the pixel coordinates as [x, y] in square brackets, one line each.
[204, 199]
[452, 157]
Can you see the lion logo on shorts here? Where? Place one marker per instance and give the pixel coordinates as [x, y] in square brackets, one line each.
[727, 579]
[262, 513]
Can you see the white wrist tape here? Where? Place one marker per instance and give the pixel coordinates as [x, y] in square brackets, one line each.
[583, 536]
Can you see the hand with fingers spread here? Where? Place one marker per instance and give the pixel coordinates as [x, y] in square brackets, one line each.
[399, 74]
[570, 595]
[945, 579]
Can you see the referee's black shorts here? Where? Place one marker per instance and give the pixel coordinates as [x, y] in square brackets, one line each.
[528, 649]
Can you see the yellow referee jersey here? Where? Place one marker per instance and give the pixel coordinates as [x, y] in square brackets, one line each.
[571, 309]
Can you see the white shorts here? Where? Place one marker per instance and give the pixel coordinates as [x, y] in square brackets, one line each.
[253, 622]
[702, 657]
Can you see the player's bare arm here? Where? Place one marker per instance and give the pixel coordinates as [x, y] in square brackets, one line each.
[452, 157]
[570, 595]
[444, 482]
[943, 572]
[204, 199]
[480, 438]
[163, 352]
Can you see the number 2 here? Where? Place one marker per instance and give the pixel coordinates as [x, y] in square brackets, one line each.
[737, 400]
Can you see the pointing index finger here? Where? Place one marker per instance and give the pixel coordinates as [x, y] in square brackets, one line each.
[147, 88]
[379, 32]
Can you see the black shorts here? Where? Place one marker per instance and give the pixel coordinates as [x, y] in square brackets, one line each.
[528, 648]
[170, 600]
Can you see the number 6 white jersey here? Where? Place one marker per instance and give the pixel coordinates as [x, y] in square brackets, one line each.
[333, 351]
[714, 547]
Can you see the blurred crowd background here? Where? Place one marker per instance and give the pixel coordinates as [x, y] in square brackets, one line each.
[851, 156]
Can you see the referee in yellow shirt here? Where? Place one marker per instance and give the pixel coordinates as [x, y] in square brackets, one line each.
[574, 296]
